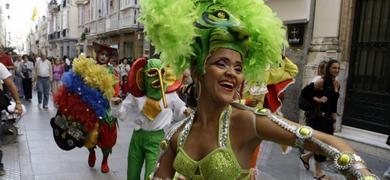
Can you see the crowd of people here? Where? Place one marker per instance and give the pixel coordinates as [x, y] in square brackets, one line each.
[34, 71]
[44, 74]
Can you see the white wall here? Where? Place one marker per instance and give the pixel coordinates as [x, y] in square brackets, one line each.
[291, 10]
[73, 22]
[327, 18]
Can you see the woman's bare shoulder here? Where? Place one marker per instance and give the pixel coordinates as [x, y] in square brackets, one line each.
[319, 83]
[243, 118]
[173, 134]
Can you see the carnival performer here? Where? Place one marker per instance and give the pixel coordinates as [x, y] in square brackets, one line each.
[268, 95]
[223, 42]
[84, 116]
[104, 56]
[151, 105]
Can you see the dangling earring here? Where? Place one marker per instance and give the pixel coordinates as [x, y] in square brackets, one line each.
[238, 95]
[198, 90]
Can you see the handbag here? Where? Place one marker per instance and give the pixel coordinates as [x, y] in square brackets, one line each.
[305, 104]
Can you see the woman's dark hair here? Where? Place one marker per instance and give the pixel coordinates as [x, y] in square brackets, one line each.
[187, 94]
[328, 81]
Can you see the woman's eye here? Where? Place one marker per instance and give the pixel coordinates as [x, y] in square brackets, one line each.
[221, 64]
[238, 69]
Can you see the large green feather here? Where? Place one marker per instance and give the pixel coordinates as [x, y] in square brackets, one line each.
[169, 25]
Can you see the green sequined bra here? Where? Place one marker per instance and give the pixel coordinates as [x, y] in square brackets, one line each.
[221, 163]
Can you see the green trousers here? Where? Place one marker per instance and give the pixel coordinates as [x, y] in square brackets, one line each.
[144, 146]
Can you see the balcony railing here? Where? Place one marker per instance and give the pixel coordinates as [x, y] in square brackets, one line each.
[101, 25]
[91, 25]
[126, 19]
[114, 21]
[80, 29]
[54, 35]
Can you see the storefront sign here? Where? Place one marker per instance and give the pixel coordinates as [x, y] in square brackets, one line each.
[296, 33]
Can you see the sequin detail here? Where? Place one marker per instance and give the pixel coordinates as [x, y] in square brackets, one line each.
[220, 164]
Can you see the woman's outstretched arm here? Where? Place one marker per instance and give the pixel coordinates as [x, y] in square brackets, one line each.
[273, 128]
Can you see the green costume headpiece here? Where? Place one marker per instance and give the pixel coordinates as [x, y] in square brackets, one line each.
[186, 31]
[153, 79]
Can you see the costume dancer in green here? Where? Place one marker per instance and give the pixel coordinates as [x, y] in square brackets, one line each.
[151, 105]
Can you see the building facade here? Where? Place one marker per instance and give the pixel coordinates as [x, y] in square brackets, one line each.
[2, 26]
[5, 36]
[63, 34]
[113, 23]
[354, 32]
[41, 36]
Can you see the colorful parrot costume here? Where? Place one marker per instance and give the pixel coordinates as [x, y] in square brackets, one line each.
[84, 116]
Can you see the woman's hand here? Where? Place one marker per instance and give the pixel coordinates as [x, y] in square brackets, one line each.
[322, 99]
[18, 108]
[116, 100]
[188, 112]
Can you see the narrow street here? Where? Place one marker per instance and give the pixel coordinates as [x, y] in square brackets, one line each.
[36, 156]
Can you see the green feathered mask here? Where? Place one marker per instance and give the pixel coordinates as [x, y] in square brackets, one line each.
[184, 32]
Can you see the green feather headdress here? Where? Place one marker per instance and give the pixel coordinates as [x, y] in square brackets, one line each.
[186, 31]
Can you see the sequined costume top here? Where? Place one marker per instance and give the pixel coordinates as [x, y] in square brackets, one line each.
[220, 163]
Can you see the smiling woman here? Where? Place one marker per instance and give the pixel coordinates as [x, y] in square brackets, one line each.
[223, 75]
[227, 41]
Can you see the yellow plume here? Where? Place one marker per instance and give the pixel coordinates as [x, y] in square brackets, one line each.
[34, 13]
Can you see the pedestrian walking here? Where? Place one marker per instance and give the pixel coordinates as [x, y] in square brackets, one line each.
[124, 68]
[324, 93]
[320, 73]
[58, 71]
[68, 63]
[43, 77]
[18, 75]
[27, 69]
